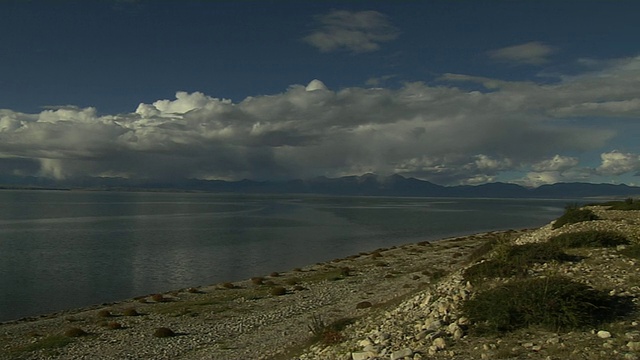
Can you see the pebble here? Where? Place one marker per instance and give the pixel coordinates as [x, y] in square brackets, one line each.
[603, 334]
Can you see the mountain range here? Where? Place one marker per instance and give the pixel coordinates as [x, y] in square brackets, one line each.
[364, 185]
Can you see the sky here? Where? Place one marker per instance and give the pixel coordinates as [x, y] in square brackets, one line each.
[453, 92]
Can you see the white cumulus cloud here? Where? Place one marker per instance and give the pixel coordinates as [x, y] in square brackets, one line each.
[618, 163]
[557, 163]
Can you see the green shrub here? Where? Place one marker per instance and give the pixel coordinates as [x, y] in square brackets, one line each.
[278, 291]
[590, 238]
[632, 251]
[532, 253]
[555, 303]
[292, 281]
[491, 269]
[159, 298]
[515, 261]
[48, 344]
[130, 312]
[363, 305]
[75, 332]
[104, 313]
[331, 333]
[627, 204]
[113, 325]
[163, 332]
[574, 215]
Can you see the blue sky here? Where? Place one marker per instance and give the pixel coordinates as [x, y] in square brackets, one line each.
[455, 92]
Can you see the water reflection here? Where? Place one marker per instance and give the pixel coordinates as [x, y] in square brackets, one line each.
[68, 249]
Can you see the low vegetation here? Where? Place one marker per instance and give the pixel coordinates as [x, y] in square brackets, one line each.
[47, 345]
[163, 332]
[552, 302]
[555, 303]
[75, 332]
[572, 215]
[591, 238]
[632, 251]
[515, 261]
[627, 204]
[278, 291]
[328, 334]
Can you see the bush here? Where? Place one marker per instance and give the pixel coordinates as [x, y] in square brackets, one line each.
[632, 251]
[48, 344]
[104, 313]
[159, 298]
[345, 271]
[278, 291]
[75, 332]
[555, 303]
[574, 215]
[328, 334]
[591, 238]
[515, 261]
[163, 332]
[258, 280]
[363, 305]
[113, 325]
[292, 281]
[627, 204]
[491, 269]
[130, 312]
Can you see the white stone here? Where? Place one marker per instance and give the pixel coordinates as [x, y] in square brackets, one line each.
[362, 355]
[432, 350]
[371, 348]
[602, 334]
[365, 342]
[400, 354]
[634, 345]
[452, 327]
[434, 325]
[439, 343]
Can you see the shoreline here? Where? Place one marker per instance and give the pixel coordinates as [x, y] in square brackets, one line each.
[246, 309]
[93, 306]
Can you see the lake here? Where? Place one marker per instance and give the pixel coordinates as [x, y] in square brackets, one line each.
[68, 249]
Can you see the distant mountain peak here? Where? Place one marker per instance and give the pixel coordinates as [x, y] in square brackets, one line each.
[368, 184]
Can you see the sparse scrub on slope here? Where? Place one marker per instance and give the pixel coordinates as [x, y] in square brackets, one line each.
[572, 215]
[590, 238]
[555, 303]
[515, 261]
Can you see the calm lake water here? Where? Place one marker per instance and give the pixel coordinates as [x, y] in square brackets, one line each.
[67, 249]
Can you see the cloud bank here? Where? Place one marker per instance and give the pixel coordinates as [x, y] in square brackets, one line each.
[440, 133]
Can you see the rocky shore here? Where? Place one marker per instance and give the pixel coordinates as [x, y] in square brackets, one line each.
[397, 303]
